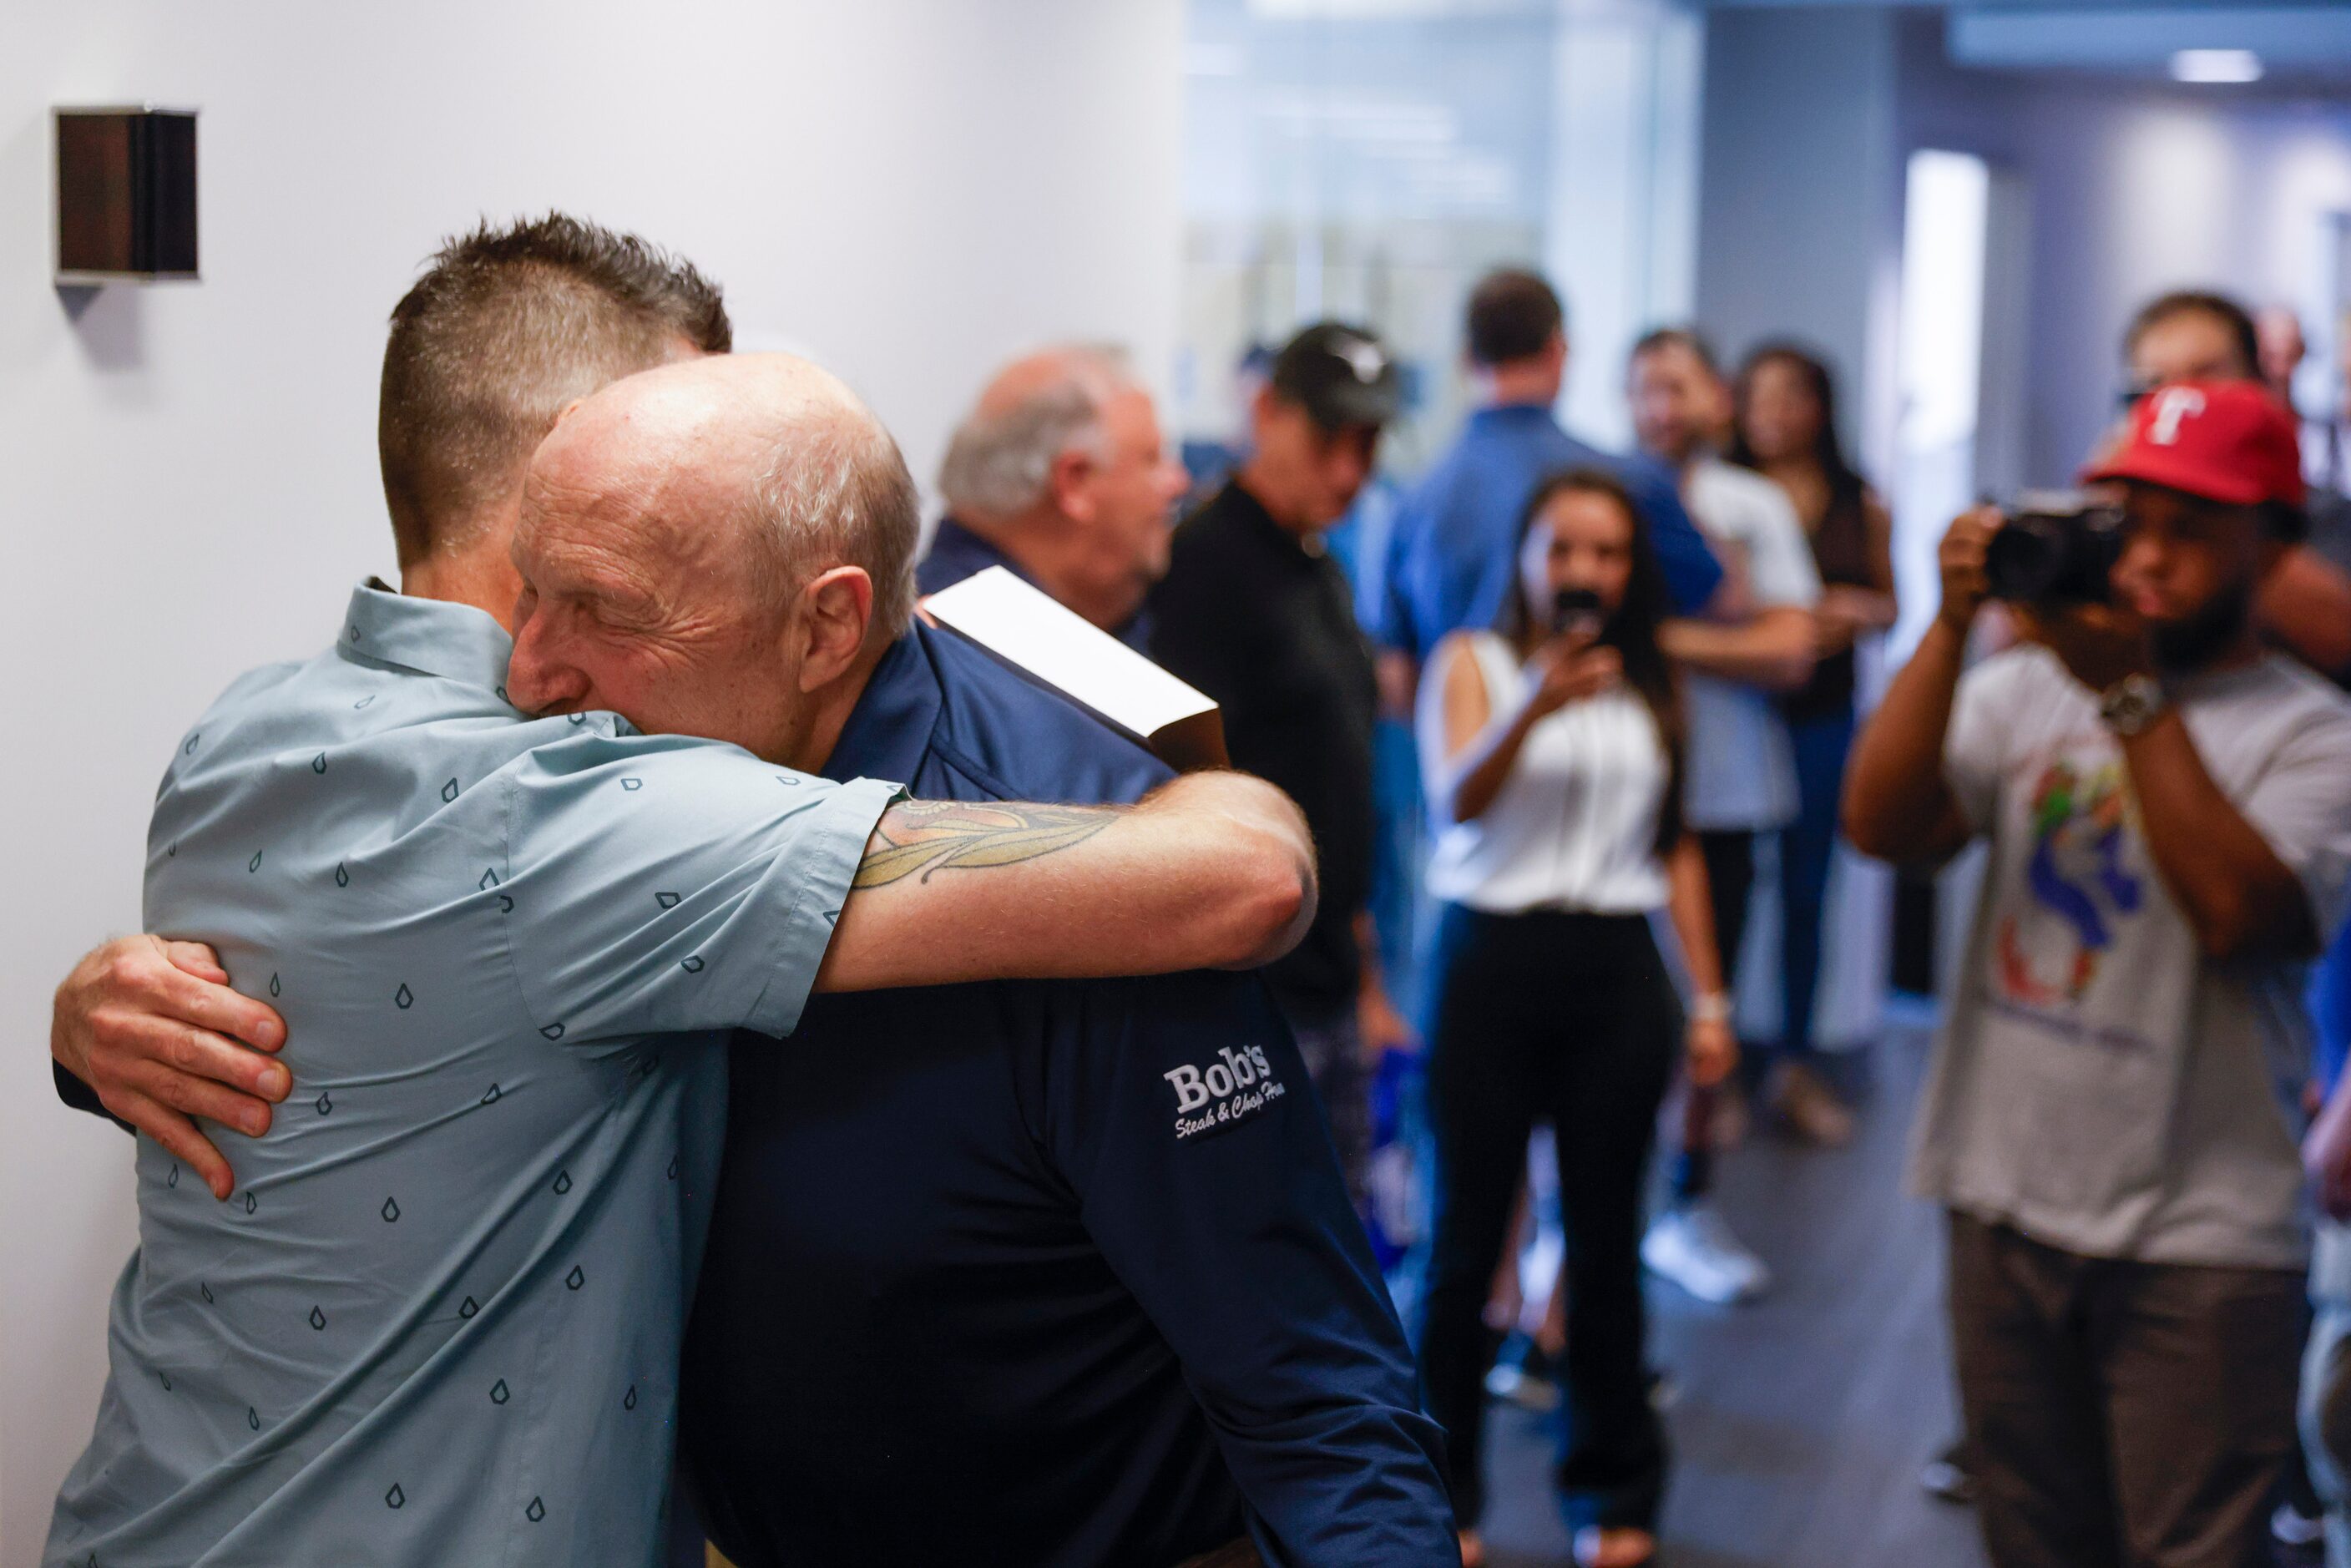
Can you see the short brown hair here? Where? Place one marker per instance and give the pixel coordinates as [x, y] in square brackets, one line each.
[507, 327]
[1513, 315]
[1658, 339]
[2234, 318]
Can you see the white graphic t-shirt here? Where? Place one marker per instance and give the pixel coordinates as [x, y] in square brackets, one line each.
[2099, 1084]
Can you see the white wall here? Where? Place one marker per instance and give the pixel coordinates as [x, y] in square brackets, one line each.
[187, 473]
[1800, 197]
[2132, 190]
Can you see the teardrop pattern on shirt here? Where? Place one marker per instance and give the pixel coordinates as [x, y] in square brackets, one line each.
[489, 880]
[553, 1031]
[205, 1291]
[395, 1498]
[499, 1393]
[666, 900]
[691, 963]
[342, 877]
[391, 1212]
[673, 1167]
[324, 1104]
[629, 1400]
[492, 1095]
[575, 1279]
[448, 791]
[166, 1379]
[317, 1319]
[274, 989]
[563, 1182]
[319, 763]
[173, 1179]
[252, 1418]
[251, 1203]
[467, 1308]
[404, 998]
[255, 864]
[633, 785]
[536, 1512]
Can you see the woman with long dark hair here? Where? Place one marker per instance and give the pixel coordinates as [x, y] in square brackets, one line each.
[1553, 749]
[1784, 427]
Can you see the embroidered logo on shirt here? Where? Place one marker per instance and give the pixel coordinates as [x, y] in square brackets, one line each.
[1237, 1086]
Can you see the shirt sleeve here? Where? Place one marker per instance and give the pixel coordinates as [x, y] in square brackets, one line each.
[1179, 1110]
[2301, 806]
[77, 1095]
[1692, 574]
[658, 884]
[1983, 713]
[1779, 565]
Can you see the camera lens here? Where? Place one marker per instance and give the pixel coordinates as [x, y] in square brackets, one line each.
[2026, 560]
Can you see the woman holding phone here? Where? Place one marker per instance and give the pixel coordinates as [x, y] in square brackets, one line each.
[1552, 749]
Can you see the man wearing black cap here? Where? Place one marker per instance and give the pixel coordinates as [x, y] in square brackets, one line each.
[1256, 613]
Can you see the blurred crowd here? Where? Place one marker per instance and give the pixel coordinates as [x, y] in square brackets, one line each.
[1559, 721]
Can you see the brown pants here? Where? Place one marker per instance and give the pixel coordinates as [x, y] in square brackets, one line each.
[2121, 1414]
[1241, 1554]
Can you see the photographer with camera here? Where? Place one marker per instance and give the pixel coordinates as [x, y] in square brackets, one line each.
[2109, 1118]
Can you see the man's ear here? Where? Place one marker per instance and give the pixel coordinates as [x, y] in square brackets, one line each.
[1065, 481]
[830, 623]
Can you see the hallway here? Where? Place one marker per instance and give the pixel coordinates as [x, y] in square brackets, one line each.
[1802, 1419]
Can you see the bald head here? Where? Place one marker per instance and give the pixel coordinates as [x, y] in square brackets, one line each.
[1061, 462]
[999, 462]
[718, 547]
[763, 465]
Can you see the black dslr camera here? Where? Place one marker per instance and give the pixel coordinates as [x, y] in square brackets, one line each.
[2055, 548]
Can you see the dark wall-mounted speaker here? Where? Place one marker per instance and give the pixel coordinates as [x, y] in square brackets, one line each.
[126, 194]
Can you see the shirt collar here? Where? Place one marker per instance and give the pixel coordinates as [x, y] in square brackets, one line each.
[1503, 415]
[888, 733]
[959, 541]
[429, 636]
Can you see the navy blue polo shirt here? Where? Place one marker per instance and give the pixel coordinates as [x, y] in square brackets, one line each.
[1451, 560]
[1056, 1275]
[958, 553]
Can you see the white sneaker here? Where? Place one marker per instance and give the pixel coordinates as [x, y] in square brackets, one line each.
[1694, 1247]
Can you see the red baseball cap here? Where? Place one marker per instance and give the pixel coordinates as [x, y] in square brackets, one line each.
[2225, 441]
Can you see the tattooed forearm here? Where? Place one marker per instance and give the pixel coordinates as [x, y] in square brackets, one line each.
[926, 836]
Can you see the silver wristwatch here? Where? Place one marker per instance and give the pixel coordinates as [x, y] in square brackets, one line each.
[2131, 703]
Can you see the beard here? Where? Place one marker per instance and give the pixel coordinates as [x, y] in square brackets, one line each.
[2190, 643]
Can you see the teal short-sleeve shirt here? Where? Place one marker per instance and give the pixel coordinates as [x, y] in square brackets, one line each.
[438, 1320]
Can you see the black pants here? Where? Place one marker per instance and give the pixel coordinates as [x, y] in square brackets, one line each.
[1729, 858]
[1568, 1019]
[2121, 1414]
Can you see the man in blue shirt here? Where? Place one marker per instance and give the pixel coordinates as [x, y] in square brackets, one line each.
[1047, 1274]
[1449, 558]
[504, 982]
[1059, 476]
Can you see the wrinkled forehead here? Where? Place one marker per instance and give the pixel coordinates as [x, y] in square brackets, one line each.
[622, 494]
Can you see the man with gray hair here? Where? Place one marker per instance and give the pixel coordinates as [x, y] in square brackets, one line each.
[1059, 475]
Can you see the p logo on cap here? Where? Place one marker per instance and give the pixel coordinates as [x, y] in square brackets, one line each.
[2172, 405]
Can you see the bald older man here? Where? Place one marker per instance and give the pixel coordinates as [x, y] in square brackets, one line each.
[438, 1320]
[1061, 474]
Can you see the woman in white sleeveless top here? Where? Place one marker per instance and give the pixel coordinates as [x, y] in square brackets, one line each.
[1552, 755]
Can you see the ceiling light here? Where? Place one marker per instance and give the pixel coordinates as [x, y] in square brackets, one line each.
[2216, 65]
